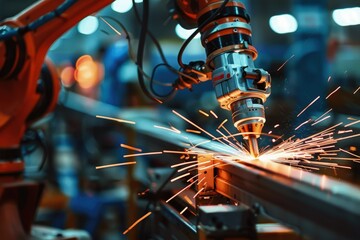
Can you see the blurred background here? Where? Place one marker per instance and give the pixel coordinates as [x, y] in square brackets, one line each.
[310, 48]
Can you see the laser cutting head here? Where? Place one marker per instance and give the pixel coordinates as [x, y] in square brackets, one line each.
[240, 87]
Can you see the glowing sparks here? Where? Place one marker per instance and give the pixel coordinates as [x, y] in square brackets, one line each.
[182, 164]
[204, 113]
[308, 106]
[137, 222]
[302, 124]
[352, 154]
[285, 63]
[198, 192]
[329, 78]
[353, 123]
[182, 190]
[323, 114]
[111, 26]
[277, 125]
[130, 147]
[356, 90]
[115, 119]
[168, 129]
[115, 165]
[348, 137]
[222, 124]
[141, 154]
[214, 114]
[319, 121]
[181, 213]
[345, 131]
[333, 92]
[193, 131]
[179, 177]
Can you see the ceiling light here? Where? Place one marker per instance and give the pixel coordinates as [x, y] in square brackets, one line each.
[284, 23]
[347, 16]
[185, 33]
[88, 25]
[122, 6]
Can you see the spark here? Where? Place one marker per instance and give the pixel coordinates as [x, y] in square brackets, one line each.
[302, 124]
[182, 164]
[114, 29]
[222, 123]
[197, 175]
[181, 213]
[201, 181]
[130, 147]
[356, 90]
[308, 106]
[351, 136]
[142, 154]
[179, 177]
[137, 222]
[198, 127]
[333, 92]
[345, 131]
[214, 114]
[167, 129]
[323, 114]
[176, 152]
[329, 78]
[320, 120]
[115, 119]
[193, 131]
[353, 123]
[198, 192]
[115, 165]
[277, 125]
[144, 192]
[352, 154]
[204, 113]
[193, 165]
[182, 190]
[285, 63]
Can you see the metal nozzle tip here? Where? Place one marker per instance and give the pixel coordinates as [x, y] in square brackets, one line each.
[253, 146]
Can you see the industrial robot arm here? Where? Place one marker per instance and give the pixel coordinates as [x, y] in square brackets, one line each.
[24, 42]
[240, 87]
[226, 36]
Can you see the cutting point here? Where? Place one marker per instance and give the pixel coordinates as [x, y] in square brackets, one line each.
[253, 146]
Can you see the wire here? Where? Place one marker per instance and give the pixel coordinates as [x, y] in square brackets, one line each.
[189, 39]
[168, 95]
[34, 139]
[39, 22]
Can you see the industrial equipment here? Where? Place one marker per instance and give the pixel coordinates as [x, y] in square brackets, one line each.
[27, 93]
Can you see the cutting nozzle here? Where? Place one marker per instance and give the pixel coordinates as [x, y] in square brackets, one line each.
[253, 146]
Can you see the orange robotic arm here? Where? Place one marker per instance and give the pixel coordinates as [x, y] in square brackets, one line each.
[24, 42]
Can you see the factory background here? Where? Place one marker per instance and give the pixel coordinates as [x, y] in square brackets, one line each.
[310, 48]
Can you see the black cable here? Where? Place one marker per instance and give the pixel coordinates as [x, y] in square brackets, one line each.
[40, 21]
[189, 39]
[141, 50]
[168, 95]
[35, 138]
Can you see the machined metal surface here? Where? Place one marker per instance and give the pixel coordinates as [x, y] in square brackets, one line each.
[315, 206]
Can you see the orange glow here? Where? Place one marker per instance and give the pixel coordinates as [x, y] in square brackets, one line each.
[67, 76]
[88, 73]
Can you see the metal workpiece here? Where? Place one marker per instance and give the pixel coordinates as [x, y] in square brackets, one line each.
[226, 222]
[169, 224]
[206, 172]
[317, 207]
